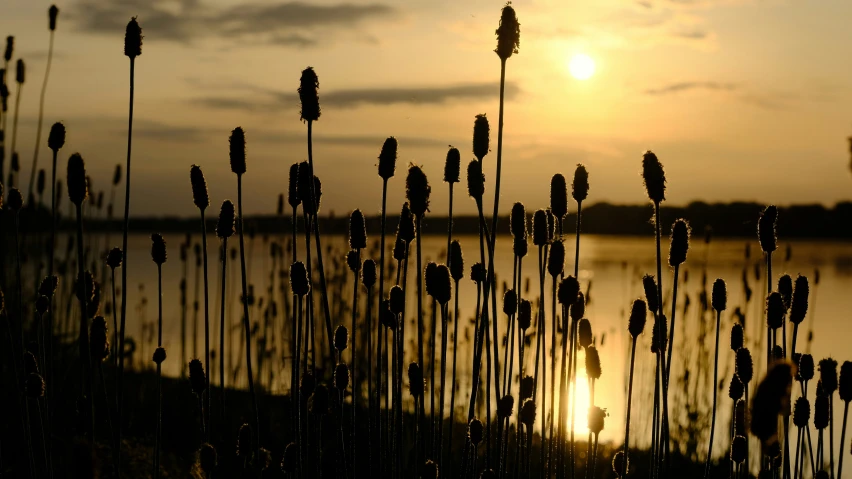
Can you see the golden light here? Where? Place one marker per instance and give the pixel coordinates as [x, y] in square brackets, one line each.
[581, 66]
[581, 411]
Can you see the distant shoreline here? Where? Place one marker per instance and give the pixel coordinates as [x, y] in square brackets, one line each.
[722, 220]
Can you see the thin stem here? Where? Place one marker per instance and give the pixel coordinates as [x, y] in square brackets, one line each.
[453, 381]
[842, 440]
[206, 319]
[627, 421]
[41, 115]
[222, 328]
[246, 323]
[715, 393]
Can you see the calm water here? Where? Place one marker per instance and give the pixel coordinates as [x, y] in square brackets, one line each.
[610, 270]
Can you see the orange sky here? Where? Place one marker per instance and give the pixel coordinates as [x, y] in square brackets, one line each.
[741, 99]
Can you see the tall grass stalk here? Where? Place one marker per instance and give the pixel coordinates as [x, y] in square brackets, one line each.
[202, 201]
[52, 13]
[457, 271]
[719, 302]
[635, 326]
[158, 254]
[224, 230]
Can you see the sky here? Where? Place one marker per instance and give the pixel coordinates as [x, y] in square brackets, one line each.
[740, 99]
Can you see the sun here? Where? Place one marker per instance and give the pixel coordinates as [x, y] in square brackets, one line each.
[581, 66]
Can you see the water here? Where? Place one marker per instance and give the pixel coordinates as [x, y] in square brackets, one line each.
[610, 272]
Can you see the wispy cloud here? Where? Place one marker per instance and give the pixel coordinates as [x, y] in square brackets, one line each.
[691, 85]
[291, 23]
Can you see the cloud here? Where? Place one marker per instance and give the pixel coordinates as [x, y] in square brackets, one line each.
[692, 85]
[355, 98]
[155, 130]
[290, 23]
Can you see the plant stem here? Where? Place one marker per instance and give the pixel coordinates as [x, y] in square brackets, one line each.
[450, 463]
[842, 440]
[41, 115]
[627, 421]
[222, 329]
[715, 393]
[246, 323]
[206, 320]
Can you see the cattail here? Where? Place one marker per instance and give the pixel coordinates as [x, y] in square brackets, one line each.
[785, 288]
[397, 300]
[580, 186]
[739, 449]
[524, 314]
[679, 243]
[199, 188]
[806, 367]
[197, 378]
[802, 412]
[341, 376]
[456, 261]
[528, 410]
[99, 339]
[638, 315]
[556, 259]
[568, 291]
[593, 363]
[76, 179]
[651, 297]
[430, 470]
[745, 366]
[558, 196]
[508, 33]
[34, 386]
[159, 355]
[318, 402]
[158, 249]
[505, 406]
[659, 334]
[719, 299]
[56, 137]
[475, 180]
[20, 71]
[293, 193]
[227, 218]
[828, 375]
[308, 86]
[443, 287]
[244, 442]
[766, 229]
[526, 387]
[821, 408]
[415, 380]
[237, 150]
[481, 132]
[52, 12]
[417, 190]
[368, 273]
[48, 286]
[406, 228]
[584, 330]
[290, 461]
[540, 236]
[10, 46]
[16, 200]
[387, 159]
[478, 273]
[510, 302]
[578, 309]
[518, 221]
[799, 302]
[452, 165]
[770, 399]
[133, 39]
[596, 419]
[774, 310]
[736, 337]
[299, 279]
[207, 459]
[114, 258]
[341, 338]
[654, 177]
[846, 381]
[736, 389]
[474, 431]
[357, 230]
[618, 465]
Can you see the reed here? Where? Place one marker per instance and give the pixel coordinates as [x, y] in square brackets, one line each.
[635, 326]
[202, 201]
[719, 301]
[52, 13]
[158, 255]
[20, 76]
[456, 265]
[798, 307]
[224, 230]
[357, 242]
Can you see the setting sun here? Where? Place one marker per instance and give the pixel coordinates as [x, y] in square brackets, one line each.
[581, 66]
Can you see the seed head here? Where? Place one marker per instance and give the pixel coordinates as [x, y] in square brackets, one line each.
[368, 273]
[785, 288]
[417, 190]
[540, 235]
[20, 71]
[568, 291]
[307, 384]
[430, 470]
[739, 449]
[505, 405]
[429, 277]
[48, 286]
[30, 363]
[510, 302]
[580, 187]
[740, 412]
[341, 338]
[56, 138]
[227, 218]
[76, 178]
[199, 188]
[654, 177]
[318, 402]
[766, 229]
[237, 150]
[828, 375]
[528, 411]
[720, 295]
[556, 259]
[456, 261]
[293, 198]
[526, 387]
[308, 95]
[357, 230]
[245, 445]
[481, 132]
[387, 317]
[578, 309]
[638, 316]
[508, 33]
[679, 242]
[290, 461]
[415, 380]
[558, 196]
[802, 412]
[34, 385]
[341, 376]
[197, 378]
[387, 158]
[133, 39]
[159, 355]
[158, 249]
[772, 397]
[524, 314]
[519, 247]
[443, 285]
[478, 273]
[474, 431]
[405, 228]
[10, 46]
[207, 459]
[650, 286]
[584, 332]
[799, 302]
[822, 407]
[99, 339]
[593, 362]
[116, 177]
[736, 337]
[659, 335]
[312, 206]
[452, 165]
[16, 200]
[744, 365]
[618, 465]
[518, 221]
[475, 180]
[299, 283]
[774, 310]
[397, 300]
[806, 367]
[596, 419]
